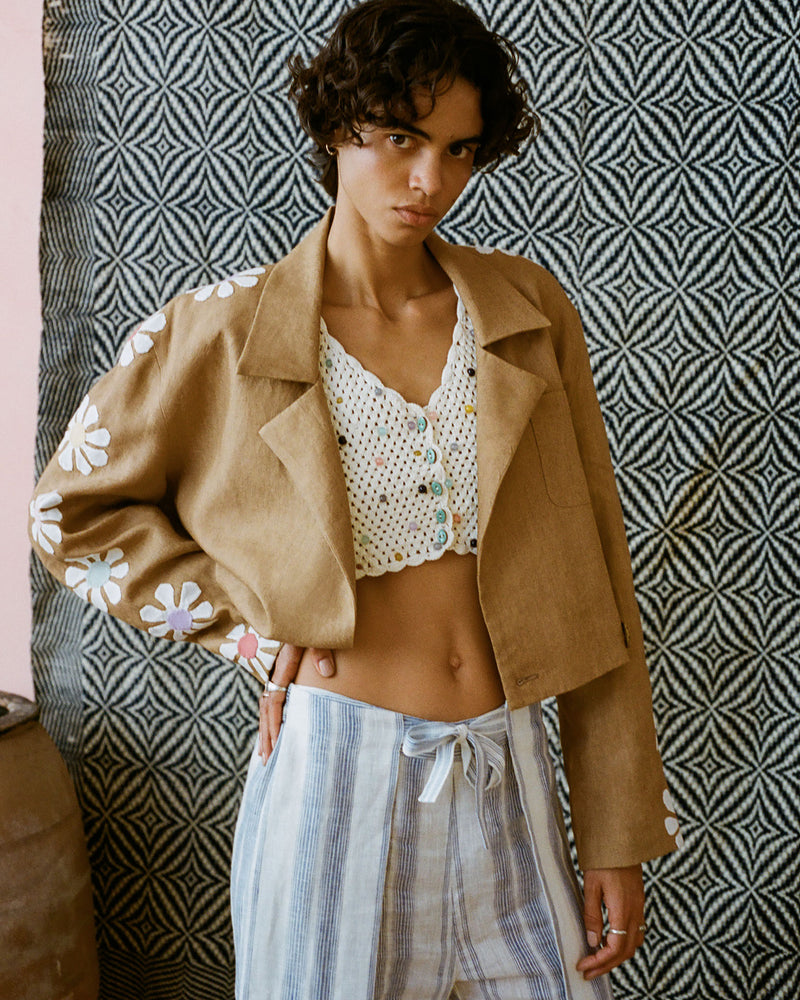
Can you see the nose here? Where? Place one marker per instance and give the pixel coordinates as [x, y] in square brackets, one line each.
[426, 173]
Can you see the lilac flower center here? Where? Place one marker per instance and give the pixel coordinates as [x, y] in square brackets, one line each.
[180, 620]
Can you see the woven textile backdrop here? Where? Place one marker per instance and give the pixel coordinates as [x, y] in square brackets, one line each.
[663, 193]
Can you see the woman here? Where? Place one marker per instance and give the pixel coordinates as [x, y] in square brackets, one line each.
[386, 452]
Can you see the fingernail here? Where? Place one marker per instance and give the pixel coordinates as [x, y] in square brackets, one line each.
[591, 937]
[326, 667]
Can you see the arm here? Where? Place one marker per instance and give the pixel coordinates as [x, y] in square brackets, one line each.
[104, 517]
[620, 814]
[621, 811]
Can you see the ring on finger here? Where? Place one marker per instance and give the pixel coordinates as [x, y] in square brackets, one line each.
[613, 930]
[642, 928]
[271, 686]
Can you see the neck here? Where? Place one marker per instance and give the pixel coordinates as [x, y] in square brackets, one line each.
[361, 269]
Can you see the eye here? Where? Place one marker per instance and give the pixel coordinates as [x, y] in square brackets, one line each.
[400, 140]
[461, 152]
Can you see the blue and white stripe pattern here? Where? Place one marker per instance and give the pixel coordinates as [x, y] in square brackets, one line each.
[345, 885]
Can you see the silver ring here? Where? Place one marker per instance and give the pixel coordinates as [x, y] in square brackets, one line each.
[272, 686]
[613, 930]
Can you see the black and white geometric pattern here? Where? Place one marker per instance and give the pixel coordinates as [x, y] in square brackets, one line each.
[664, 195]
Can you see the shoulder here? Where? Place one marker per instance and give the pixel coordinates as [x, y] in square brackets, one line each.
[222, 307]
[200, 318]
[538, 285]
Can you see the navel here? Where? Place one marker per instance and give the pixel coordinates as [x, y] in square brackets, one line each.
[456, 663]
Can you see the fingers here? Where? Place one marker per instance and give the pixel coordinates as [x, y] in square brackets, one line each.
[287, 663]
[621, 891]
[263, 730]
[270, 704]
[284, 672]
[593, 910]
[275, 702]
[324, 662]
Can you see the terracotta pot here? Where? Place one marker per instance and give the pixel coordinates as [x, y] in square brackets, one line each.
[47, 944]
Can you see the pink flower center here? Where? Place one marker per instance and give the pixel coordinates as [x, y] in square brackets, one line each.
[247, 647]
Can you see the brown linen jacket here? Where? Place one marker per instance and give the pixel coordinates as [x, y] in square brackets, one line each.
[198, 493]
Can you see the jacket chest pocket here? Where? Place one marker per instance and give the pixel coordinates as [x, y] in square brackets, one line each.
[562, 470]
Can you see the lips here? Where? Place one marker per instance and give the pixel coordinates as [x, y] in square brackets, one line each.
[416, 215]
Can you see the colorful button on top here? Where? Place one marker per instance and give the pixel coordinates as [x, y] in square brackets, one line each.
[430, 454]
[441, 535]
[412, 425]
[328, 363]
[422, 423]
[470, 371]
[378, 390]
[441, 516]
[448, 483]
[436, 488]
[382, 432]
[469, 408]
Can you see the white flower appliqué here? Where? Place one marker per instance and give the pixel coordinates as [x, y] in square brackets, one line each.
[179, 617]
[94, 579]
[82, 446]
[490, 250]
[224, 289]
[45, 513]
[671, 822]
[140, 341]
[250, 649]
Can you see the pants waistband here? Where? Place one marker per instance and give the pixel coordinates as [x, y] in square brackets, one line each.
[481, 741]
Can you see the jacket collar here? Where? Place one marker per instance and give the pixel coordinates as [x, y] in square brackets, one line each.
[283, 340]
[283, 343]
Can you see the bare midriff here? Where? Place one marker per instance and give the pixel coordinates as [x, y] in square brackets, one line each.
[421, 645]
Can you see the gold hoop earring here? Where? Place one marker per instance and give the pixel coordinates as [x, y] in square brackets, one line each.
[329, 151]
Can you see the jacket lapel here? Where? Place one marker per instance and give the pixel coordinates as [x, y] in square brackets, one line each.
[512, 373]
[302, 437]
[283, 343]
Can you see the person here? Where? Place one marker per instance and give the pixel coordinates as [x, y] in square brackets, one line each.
[382, 460]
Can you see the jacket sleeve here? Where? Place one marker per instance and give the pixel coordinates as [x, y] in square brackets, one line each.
[622, 812]
[103, 517]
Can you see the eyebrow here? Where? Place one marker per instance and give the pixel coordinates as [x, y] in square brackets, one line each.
[473, 140]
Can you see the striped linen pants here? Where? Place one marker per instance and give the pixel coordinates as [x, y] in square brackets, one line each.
[345, 886]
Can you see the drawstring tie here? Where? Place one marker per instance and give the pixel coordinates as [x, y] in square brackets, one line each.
[482, 758]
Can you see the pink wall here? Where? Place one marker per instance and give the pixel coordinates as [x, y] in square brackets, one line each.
[21, 117]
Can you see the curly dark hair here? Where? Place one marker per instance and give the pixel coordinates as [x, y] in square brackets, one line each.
[382, 52]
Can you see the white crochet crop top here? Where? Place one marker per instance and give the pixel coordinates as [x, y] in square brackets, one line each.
[411, 471]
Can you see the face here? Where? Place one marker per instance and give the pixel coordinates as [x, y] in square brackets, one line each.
[402, 180]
